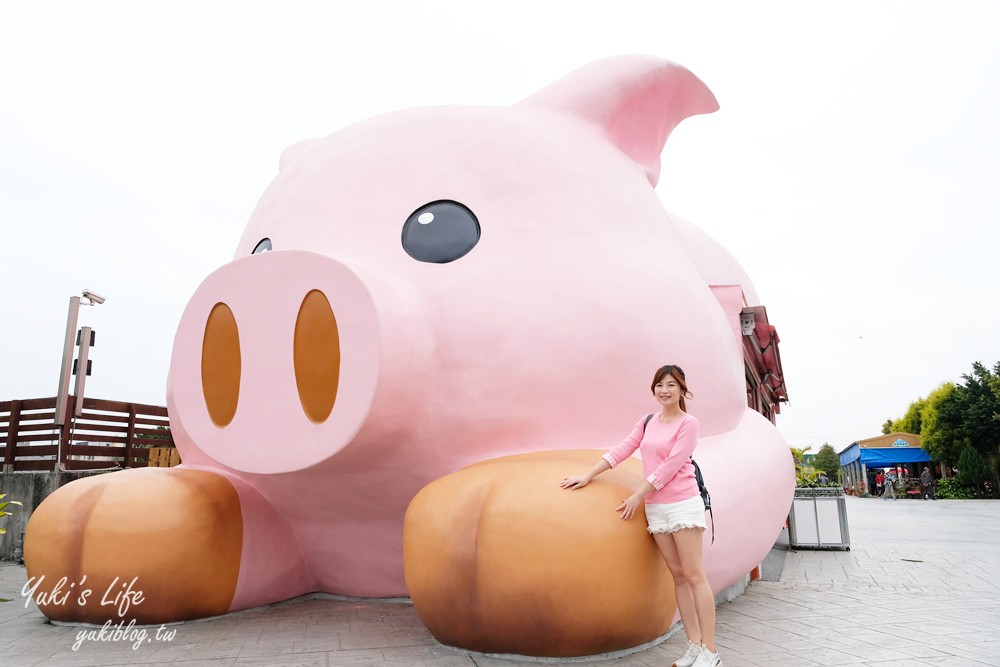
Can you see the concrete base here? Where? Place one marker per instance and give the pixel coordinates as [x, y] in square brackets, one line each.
[30, 488]
[734, 591]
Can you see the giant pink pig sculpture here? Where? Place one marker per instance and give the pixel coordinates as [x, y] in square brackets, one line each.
[413, 294]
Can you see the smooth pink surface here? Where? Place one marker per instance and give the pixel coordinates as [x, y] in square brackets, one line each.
[545, 336]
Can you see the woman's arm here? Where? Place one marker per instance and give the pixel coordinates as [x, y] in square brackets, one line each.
[581, 481]
[619, 453]
[626, 447]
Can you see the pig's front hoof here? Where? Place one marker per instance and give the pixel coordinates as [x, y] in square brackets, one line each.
[155, 545]
[499, 559]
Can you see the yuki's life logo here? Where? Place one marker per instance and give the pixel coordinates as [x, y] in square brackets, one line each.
[119, 595]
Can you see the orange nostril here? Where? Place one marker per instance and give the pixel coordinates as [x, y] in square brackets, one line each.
[317, 356]
[221, 365]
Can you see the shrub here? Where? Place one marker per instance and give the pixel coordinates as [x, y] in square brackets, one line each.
[3, 509]
[951, 489]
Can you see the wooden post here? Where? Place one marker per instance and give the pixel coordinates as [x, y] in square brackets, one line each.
[130, 436]
[64, 434]
[13, 426]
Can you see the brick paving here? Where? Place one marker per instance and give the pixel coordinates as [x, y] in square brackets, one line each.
[920, 586]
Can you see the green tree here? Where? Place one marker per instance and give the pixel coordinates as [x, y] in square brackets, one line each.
[887, 427]
[994, 382]
[911, 421]
[981, 415]
[979, 408]
[940, 424]
[956, 416]
[828, 461]
[805, 474]
[972, 469]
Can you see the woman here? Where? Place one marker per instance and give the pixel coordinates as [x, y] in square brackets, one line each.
[675, 513]
[889, 486]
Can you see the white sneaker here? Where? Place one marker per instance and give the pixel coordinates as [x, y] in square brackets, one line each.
[687, 660]
[707, 659]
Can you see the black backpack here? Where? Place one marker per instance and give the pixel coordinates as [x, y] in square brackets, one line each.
[706, 497]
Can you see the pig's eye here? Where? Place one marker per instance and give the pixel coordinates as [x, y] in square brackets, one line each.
[440, 232]
[262, 246]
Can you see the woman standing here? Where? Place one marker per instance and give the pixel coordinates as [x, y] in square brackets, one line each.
[889, 486]
[675, 513]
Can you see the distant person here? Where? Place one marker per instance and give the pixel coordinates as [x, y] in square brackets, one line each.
[879, 483]
[823, 479]
[927, 484]
[889, 486]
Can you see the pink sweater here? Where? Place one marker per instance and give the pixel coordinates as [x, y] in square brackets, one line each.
[666, 450]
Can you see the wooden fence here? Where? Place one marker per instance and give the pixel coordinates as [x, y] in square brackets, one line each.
[108, 434]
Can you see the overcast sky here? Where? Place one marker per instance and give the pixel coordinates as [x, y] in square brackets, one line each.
[852, 168]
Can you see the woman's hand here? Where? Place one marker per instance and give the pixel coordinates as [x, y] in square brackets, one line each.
[574, 483]
[629, 507]
[581, 481]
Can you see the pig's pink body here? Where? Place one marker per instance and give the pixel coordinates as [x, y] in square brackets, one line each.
[544, 336]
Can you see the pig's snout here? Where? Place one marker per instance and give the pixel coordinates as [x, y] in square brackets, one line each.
[315, 351]
[264, 376]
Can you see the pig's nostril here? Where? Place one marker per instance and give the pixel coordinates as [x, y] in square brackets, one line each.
[317, 356]
[221, 365]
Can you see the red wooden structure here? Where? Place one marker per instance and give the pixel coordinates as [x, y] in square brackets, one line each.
[108, 434]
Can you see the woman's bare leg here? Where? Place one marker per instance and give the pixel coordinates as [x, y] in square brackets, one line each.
[688, 545]
[682, 590]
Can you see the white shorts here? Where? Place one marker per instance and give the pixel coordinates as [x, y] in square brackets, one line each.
[671, 517]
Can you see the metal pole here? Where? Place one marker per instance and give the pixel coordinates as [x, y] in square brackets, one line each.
[62, 396]
[69, 344]
[815, 500]
[81, 369]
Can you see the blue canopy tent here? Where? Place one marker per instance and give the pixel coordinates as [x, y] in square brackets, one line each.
[887, 451]
[883, 457]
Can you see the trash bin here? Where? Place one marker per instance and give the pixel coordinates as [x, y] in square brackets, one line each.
[818, 519]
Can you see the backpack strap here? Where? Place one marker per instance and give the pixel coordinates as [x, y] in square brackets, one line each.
[648, 417]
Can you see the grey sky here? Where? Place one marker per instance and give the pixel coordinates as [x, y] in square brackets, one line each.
[852, 168]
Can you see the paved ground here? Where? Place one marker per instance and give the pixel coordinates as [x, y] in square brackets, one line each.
[920, 586]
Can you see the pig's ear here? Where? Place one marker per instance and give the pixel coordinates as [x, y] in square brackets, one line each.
[636, 100]
[295, 150]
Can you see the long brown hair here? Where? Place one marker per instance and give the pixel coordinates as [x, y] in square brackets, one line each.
[677, 373]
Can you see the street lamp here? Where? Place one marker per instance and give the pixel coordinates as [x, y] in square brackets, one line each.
[62, 397]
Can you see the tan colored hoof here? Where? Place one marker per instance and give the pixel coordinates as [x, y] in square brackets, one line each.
[499, 559]
[155, 545]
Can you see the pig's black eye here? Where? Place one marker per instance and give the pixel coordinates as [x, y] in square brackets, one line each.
[262, 246]
[440, 232]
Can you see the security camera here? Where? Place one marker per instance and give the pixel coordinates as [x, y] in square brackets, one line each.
[93, 297]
